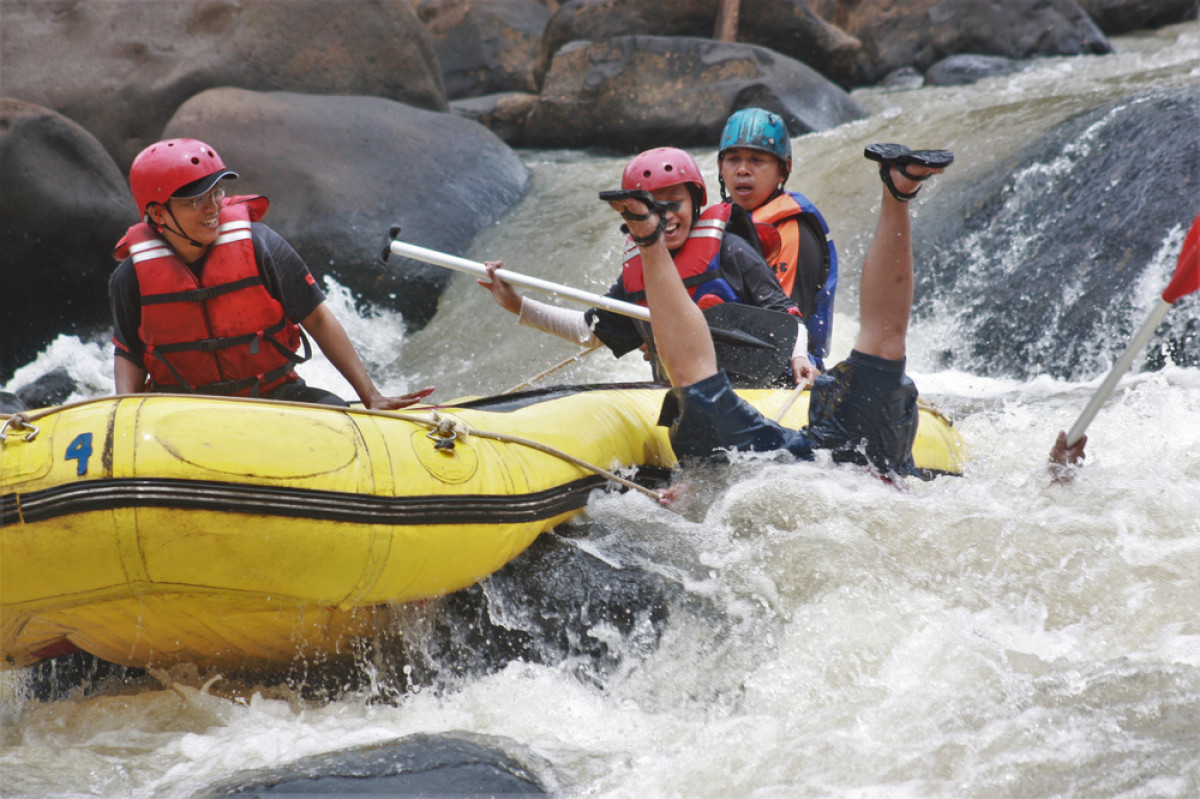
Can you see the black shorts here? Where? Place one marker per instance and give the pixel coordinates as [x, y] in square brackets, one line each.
[707, 418]
[297, 391]
[865, 410]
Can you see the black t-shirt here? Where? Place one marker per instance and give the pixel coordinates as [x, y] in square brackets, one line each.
[284, 274]
[741, 265]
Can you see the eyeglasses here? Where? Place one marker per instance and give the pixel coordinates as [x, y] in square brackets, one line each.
[214, 197]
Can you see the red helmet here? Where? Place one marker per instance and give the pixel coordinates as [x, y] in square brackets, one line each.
[662, 167]
[175, 168]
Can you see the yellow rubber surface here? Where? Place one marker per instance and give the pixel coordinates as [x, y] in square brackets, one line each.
[159, 529]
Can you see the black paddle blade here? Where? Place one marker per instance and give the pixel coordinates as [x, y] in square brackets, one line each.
[739, 338]
[393, 234]
[754, 345]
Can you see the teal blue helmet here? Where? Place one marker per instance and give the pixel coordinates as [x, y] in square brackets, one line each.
[757, 129]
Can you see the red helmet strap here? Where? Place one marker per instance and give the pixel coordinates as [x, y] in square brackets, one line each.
[162, 226]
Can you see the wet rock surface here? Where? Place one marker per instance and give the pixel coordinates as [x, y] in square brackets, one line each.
[1030, 298]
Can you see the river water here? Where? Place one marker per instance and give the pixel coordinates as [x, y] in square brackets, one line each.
[997, 635]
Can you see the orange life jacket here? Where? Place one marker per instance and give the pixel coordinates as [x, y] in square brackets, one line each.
[786, 213]
[222, 333]
[782, 213]
[698, 263]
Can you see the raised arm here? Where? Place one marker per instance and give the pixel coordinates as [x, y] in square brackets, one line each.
[681, 333]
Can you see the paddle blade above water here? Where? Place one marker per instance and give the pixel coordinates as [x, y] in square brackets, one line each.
[766, 359]
[1186, 279]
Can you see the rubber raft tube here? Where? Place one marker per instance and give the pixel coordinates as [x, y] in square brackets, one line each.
[155, 529]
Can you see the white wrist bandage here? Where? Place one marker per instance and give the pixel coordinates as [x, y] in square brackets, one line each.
[562, 322]
[801, 347]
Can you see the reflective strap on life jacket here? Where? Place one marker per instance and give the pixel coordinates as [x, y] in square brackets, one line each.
[708, 229]
[697, 261]
[146, 250]
[235, 230]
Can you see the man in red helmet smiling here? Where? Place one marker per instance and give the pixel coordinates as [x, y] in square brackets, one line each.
[717, 253]
[208, 300]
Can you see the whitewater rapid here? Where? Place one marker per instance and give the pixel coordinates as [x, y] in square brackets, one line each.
[994, 635]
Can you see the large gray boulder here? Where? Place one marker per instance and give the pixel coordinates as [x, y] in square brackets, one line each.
[1122, 16]
[918, 33]
[959, 70]
[546, 606]
[631, 93]
[340, 171]
[458, 764]
[52, 388]
[1123, 181]
[503, 114]
[63, 205]
[786, 26]
[120, 68]
[485, 46]
[860, 43]
[11, 403]
[792, 28]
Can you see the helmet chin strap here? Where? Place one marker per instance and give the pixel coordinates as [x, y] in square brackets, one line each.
[178, 232]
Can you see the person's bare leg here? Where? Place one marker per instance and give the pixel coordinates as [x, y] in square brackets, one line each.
[681, 333]
[886, 295]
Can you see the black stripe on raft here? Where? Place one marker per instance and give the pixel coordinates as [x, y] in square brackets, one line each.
[99, 495]
[9, 513]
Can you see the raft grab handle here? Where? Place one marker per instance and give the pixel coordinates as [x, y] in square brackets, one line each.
[18, 422]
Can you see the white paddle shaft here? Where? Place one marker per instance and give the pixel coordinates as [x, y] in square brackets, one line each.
[1118, 370]
[517, 279]
[791, 400]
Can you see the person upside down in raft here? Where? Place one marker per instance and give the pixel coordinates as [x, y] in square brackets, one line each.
[754, 161]
[864, 409]
[208, 300]
[718, 250]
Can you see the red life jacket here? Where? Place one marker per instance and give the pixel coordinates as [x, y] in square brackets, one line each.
[698, 263]
[207, 335]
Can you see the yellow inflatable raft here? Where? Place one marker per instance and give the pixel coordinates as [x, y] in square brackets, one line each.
[159, 529]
